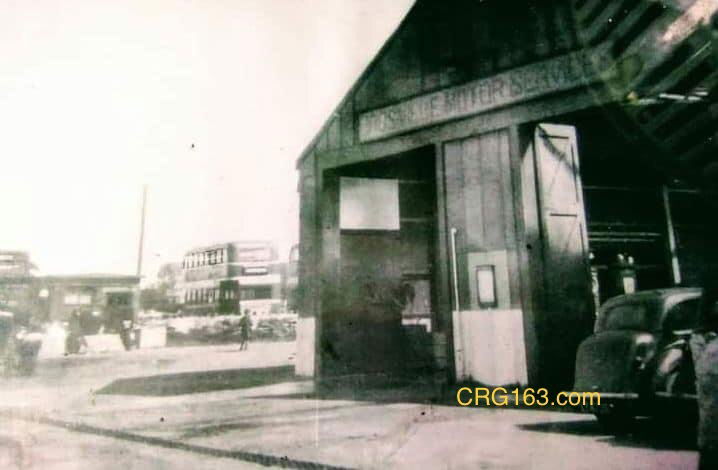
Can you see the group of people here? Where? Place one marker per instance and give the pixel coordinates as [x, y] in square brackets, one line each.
[82, 323]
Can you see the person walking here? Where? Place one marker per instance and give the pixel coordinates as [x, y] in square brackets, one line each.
[75, 338]
[244, 326]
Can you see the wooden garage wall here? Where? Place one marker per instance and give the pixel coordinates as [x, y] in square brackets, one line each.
[480, 204]
[308, 238]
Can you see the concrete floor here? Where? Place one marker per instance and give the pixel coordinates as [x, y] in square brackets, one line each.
[65, 416]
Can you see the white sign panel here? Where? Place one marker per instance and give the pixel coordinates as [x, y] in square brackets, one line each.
[368, 204]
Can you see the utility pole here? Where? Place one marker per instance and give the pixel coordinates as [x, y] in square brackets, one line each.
[142, 231]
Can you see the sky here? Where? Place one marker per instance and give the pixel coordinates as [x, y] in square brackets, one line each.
[207, 102]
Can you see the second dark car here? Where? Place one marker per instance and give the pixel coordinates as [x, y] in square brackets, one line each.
[638, 358]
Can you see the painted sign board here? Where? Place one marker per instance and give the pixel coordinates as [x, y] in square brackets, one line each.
[218, 271]
[531, 81]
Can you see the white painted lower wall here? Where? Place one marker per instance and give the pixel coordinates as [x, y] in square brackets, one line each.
[306, 334]
[489, 346]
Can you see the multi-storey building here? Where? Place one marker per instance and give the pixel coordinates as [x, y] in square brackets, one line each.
[232, 277]
[17, 284]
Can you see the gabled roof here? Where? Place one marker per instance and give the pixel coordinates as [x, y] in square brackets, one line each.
[367, 71]
[657, 51]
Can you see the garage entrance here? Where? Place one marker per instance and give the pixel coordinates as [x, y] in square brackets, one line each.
[632, 222]
[380, 316]
[607, 223]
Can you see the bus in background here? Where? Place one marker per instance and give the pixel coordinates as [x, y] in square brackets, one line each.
[233, 277]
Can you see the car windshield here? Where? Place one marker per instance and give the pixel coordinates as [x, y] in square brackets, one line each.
[628, 316]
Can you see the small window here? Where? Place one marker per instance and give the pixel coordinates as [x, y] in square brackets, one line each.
[263, 293]
[682, 316]
[78, 299]
[632, 316]
[486, 286]
[256, 293]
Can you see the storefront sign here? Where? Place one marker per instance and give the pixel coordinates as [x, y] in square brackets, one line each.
[201, 273]
[256, 270]
[521, 84]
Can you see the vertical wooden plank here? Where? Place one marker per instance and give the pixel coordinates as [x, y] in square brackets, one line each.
[472, 200]
[442, 281]
[456, 210]
[492, 199]
[504, 48]
[542, 45]
[329, 216]
[485, 47]
[322, 143]
[347, 124]
[508, 196]
[519, 53]
[524, 205]
[316, 287]
[564, 25]
[441, 262]
[307, 236]
[334, 140]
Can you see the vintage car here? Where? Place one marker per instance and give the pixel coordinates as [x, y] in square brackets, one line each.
[639, 358]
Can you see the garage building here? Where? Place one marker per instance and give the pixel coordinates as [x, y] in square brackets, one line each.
[498, 170]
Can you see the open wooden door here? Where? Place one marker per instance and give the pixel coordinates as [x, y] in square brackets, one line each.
[566, 306]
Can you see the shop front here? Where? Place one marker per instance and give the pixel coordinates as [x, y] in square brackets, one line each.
[489, 180]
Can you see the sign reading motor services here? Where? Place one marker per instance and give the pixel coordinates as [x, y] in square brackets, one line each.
[524, 83]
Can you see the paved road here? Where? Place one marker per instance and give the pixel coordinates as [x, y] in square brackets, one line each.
[29, 445]
[239, 416]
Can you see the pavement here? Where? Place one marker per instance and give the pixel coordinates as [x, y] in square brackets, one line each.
[216, 407]
[30, 445]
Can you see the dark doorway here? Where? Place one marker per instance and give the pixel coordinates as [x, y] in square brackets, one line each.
[228, 297]
[378, 315]
[625, 206]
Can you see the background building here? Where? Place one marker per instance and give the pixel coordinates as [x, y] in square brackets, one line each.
[18, 291]
[291, 279]
[15, 264]
[110, 298]
[40, 299]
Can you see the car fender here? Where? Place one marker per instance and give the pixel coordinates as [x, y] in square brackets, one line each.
[668, 365]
